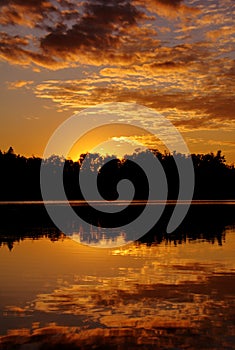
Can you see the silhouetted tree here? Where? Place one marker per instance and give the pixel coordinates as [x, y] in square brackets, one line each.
[20, 176]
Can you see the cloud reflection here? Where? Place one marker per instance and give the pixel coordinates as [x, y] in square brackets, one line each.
[163, 296]
[186, 314]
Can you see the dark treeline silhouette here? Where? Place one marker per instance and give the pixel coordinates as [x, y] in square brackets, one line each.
[20, 181]
[20, 176]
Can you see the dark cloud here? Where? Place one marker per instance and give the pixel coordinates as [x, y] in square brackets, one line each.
[101, 26]
[15, 50]
[69, 32]
[12, 47]
[68, 4]
[173, 3]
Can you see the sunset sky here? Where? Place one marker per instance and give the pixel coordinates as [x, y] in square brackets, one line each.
[61, 56]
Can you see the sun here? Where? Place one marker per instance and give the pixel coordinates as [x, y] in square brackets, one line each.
[114, 139]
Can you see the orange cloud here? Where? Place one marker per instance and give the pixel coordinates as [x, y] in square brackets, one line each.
[221, 33]
[119, 32]
[13, 85]
[191, 95]
[182, 66]
[97, 35]
[66, 34]
[26, 13]
[169, 8]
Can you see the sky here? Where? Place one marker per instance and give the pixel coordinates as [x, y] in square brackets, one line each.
[58, 57]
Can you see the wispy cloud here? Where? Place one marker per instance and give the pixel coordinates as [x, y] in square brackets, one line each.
[13, 85]
[31, 117]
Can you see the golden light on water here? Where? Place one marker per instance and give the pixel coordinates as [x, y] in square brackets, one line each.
[178, 292]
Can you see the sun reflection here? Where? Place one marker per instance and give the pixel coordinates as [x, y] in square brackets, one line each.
[97, 237]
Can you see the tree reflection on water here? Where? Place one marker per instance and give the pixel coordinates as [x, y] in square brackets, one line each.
[203, 221]
[161, 292]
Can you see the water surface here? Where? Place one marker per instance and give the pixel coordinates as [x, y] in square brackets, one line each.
[167, 292]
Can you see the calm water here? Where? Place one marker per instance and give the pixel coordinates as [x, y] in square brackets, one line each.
[162, 292]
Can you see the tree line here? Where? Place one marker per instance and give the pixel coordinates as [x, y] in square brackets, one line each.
[20, 176]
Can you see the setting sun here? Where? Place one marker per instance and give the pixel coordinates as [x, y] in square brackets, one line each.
[117, 139]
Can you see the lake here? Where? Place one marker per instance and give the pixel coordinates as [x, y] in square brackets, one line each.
[163, 291]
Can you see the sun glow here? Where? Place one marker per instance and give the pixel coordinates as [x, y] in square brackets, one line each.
[114, 139]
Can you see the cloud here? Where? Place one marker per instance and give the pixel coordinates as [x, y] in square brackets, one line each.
[169, 8]
[141, 141]
[16, 50]
[26, 13]
[99, 30]
[31, 118]
[13, 85]
[68, 34]
[182, 65]
[225, 32]
[191, 94]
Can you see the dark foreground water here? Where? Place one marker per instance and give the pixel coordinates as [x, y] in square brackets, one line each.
[162, 292]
